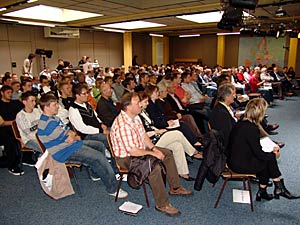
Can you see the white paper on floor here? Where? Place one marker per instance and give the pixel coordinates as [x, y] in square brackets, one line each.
[241, 196]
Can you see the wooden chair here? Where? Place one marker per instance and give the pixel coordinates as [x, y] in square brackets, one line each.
[19, 139]
[230, 175]
[124, 171]
[254, 95]
[70, 165]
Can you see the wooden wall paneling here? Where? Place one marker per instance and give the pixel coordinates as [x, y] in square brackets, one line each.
[5, 58]
[231, 50]
[115, 49]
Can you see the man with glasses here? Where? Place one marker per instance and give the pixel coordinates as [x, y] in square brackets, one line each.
[86, 121]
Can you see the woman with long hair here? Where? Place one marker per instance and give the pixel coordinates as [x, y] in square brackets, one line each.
[245, 154]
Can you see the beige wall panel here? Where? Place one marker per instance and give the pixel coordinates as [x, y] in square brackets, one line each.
[231, 50]
[67, 50]
[86, 36]
[5, 57]
[20, 33]
[142, 47]
[86, 49]
[3, 32]
[115, 49]
[102, 37]
[19, 51]
[101, 54]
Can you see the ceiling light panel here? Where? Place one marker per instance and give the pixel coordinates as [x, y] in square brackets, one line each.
[133, 25]
[209, 17]
[48, 13]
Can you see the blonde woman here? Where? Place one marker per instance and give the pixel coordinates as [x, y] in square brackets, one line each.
[246, 154]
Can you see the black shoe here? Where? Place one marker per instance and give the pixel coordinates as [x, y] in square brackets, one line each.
[16, 171]
[263, 194]
[280, 190]
[272, 127]
[29, 162]
[272, 132]
[280, 144]
[188, 178]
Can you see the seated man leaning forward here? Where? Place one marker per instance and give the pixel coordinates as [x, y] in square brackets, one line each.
[64, 145]
[129, 138]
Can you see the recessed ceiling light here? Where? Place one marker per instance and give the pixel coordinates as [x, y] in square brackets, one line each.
[189, 35]
[133, 25]
[3, 9]
[231, 33]
[31, 1]
[209, 17]
[156, 35]
[48, 13]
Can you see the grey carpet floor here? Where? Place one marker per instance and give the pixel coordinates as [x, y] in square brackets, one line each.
[22, 201]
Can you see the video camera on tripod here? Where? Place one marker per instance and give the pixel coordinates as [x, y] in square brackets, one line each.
[47, 53]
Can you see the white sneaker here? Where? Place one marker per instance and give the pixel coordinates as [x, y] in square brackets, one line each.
[125, 177]
[122, 194]
[107, 153]
[95, 178]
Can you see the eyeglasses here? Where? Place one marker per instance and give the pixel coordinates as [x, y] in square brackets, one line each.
[83, 93]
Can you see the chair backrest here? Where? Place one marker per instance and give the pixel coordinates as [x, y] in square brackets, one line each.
[17, 133]
[41, 145]
[122, 170]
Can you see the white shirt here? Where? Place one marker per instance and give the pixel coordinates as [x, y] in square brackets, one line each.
[28, 123]
[77, 122]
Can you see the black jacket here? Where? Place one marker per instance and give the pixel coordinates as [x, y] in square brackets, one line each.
[222, 121]
[214, 159]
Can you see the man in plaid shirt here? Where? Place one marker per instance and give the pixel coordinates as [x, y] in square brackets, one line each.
[129, 138]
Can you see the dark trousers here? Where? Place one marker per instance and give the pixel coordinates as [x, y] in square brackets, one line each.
[155, 178]
[7, 139]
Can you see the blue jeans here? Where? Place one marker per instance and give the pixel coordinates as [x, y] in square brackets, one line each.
[98, 164]
[34, 145]
[98, 137]
[94, 140]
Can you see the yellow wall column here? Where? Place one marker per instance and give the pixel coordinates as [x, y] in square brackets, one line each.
[154, 40]
[166, 59]
[221, 50]
[292, 52]
[127, 49]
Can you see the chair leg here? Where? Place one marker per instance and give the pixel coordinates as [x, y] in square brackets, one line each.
[119, 186]
[21, 160]
[88, 171]
[221, 192]
[244, 183]
[250, 193]
[75, 179]
[146, 196]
